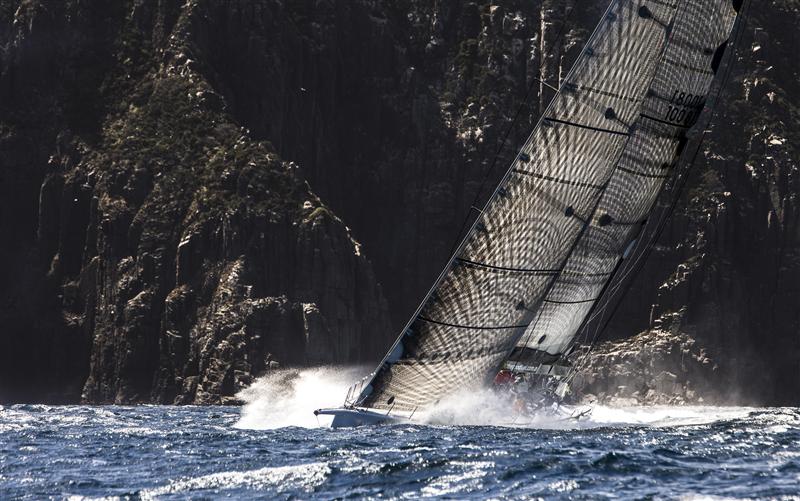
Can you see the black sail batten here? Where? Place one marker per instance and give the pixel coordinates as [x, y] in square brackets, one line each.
[525, 265]
[467, 262]
[573, 301]
[587, 127]
[643, 174]
[571, 182]
[474, 327]
[665, 122]
[646, 164]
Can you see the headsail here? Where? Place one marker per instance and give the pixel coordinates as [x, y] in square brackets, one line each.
[551, 235]
[671, 107]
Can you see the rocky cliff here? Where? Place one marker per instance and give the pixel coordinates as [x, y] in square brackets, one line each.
[656, 367]
[184, 185]
[728, 265]
[153, 249]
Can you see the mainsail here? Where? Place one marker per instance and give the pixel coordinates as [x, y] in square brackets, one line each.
[554, 231]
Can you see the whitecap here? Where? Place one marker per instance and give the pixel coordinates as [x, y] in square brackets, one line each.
[284, 478]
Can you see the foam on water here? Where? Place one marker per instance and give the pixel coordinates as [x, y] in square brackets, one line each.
[78, 453]
[489, 408]
[288, 398]
[662, 415]
[302, 477]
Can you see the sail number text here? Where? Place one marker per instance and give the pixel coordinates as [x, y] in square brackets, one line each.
[684, 108]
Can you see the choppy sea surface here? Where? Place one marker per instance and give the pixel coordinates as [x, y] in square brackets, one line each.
[273, 448]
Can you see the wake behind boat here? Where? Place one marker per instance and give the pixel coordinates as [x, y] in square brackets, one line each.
[569, 222]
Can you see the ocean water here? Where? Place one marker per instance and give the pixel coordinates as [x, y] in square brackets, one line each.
[273, 448]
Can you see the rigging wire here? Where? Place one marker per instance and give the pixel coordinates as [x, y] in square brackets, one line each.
[534, 80]
[375, 373]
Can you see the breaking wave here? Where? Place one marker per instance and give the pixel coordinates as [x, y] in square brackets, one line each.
[288, 397]
[489, 408]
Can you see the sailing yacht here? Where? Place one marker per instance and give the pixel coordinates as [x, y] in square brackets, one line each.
[566, 220]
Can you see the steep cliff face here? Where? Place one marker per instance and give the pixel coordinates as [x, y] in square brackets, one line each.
[395, 111]
[158, 244]
[406, 106]
[655, 367]
[160, 250]
[729, 261]
[165, 255]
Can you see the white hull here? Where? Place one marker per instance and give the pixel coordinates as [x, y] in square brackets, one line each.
[348, 418]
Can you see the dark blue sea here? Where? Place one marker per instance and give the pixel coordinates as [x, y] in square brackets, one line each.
[162, 452]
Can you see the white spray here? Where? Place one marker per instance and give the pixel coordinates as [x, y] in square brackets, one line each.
[288, 397]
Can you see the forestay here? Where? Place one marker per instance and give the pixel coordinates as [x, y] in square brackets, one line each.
[552, 233]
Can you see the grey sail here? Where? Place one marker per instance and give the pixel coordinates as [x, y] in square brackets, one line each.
[527, 271]
[658, 138]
